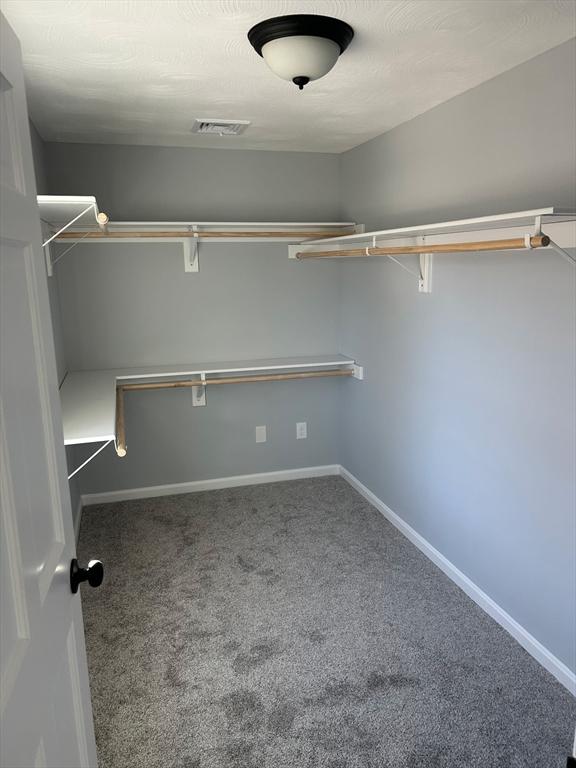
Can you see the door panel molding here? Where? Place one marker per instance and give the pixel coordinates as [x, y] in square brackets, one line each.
[12, 658]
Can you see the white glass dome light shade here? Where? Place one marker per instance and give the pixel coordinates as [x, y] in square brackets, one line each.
[299, 56]
[301, 47]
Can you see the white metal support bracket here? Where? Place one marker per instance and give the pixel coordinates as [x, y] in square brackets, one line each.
[424, 273]
[190, 247]
[358, 372]
[89, 459]
[55, 261]
[425, 279]
[552, 245]
[199, 392]
[101, 220]
[561, 252]
[73, 221]
[537, 226]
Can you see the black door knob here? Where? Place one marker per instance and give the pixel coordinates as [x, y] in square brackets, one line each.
[94, 574]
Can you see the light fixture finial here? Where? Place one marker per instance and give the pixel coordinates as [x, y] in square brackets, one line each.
[300, 82]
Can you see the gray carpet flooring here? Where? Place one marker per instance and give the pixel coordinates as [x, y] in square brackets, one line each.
[291, 626]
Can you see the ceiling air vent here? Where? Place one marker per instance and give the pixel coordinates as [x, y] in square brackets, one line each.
[220, 127]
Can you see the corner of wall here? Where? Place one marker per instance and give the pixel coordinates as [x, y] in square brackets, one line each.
[39, 158]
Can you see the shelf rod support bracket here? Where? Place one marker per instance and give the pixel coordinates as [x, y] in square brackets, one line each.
[61, 255]
[65, 227]
[425, 268]
[190, 247]
[561, 252]
[102, 221]
[425, 279]
[89, 459]
[425, 261]
[199, 392]
[537, 226]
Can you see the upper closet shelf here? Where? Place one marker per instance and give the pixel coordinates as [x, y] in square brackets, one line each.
[552, 228]
[58, 213]
[72, 220]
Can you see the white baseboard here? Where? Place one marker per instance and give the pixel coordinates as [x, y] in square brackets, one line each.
[526, 640]
[234, 481]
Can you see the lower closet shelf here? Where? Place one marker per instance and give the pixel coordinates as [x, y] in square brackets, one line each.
[89, 398]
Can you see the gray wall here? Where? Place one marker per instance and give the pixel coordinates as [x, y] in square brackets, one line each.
[38, 157]
[506, 145]
[465, 425]
[187, 184]
[129, 305]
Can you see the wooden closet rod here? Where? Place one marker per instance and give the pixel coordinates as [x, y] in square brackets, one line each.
[187, 383]
[537, 241]
[120, 427]
[232, 380]
[98, 235]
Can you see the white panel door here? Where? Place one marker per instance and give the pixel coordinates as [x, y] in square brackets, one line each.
[46, 715]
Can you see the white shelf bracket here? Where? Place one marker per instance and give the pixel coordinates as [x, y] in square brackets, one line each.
[425, 279]
[358, 372]
[199, 392]
[65, 227]
[537, 225]
[418, 274]
[89, 459]
[101, 220]
[561, 252]
[190, 247]
[52, 263]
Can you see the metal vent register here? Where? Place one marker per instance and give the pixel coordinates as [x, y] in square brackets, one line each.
[220, 127]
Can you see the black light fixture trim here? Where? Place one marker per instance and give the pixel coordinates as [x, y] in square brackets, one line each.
[300, 24]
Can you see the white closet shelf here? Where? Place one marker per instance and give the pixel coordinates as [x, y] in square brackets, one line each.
[89, 397]
[75, 218]
[541, 228]
[72, 220]
[518, 219]
[60, 212]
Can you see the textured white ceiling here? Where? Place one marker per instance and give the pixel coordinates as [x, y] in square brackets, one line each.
[141, 71]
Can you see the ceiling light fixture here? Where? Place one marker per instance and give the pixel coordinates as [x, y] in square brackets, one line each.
[301, 47]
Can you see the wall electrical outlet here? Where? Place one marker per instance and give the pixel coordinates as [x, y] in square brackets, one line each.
[301, 430]
[261, 434]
